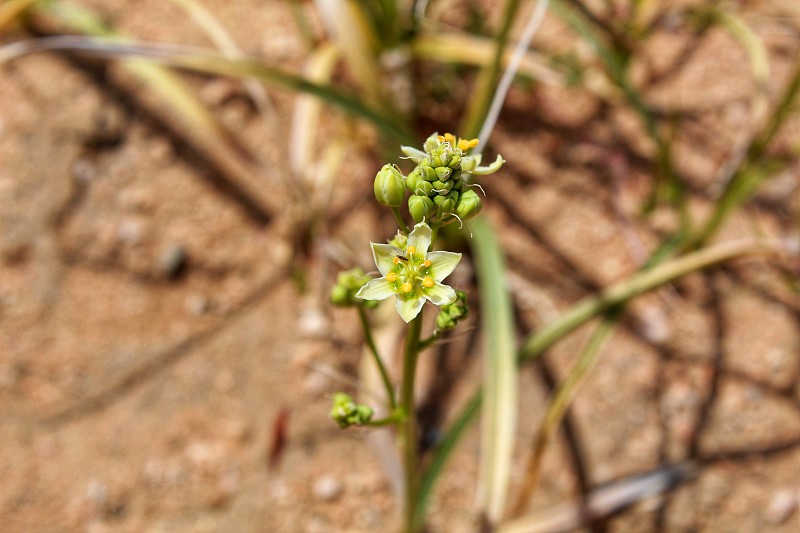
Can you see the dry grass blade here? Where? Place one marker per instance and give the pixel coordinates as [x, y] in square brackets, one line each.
[305, 116]
[225, 43]
[203, 61]
[499, 415]
[557, 408]
[347, 22]
[479, 51]
[13, 9]
[602, 502]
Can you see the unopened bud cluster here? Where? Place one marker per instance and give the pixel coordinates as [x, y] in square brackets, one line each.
[436, 185]
[347, 285]
[347, 412]
[450, 314]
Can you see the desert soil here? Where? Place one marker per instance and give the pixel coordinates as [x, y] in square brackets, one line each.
[158, 330]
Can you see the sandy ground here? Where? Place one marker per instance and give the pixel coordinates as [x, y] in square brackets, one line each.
[157, 329]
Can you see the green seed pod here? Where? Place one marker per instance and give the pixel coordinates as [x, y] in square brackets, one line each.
[443, 173]
[469, 204]
[421, 208]
[390, 186]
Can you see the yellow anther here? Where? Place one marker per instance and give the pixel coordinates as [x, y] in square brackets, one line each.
[441, 138]
[391, 277]
[466, 144]
[449, 137]
[396, 260]
[427, 282]
[411, 250]
[406, 287]
[426, 264]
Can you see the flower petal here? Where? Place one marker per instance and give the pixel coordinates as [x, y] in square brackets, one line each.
[377, 289]
[413, 154]
[409, 307]
[420, 238]
[442, 264]
[494, 167]
[440, 294]
[384, 254]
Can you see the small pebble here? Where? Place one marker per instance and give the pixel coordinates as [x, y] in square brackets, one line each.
[83, 171]
[197, 304]
[327, 489]
[781, 506]
[313, 322]
[129, 231]
[172, 261]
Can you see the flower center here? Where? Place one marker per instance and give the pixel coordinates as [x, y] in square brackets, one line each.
[410, 273]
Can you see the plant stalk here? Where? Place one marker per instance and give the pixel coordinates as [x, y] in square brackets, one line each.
[408, 427]
[387, 383]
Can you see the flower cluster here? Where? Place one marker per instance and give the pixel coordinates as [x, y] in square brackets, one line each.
[347, 285]
[347, 412]
[438, 183]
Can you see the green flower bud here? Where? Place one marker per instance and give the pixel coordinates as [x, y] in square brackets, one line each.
[431, 143]
[470, 163]
[400, 241]
[443, 173]
[348, 413]
[347, 285]
[446, 203]
[421, 208]
[390, 186]
[424, 188]
[469, 205]
[455, 162]
[429, 174]
[442, 187]
[450, 314]
[413, 179]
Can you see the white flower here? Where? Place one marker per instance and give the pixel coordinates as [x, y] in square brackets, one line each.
[412, 275]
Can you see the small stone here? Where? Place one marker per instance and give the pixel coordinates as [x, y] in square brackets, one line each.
[172, 261]
[313, 322]
[781, 506]
[316, 384]
[83, 171]
[197, 304]
[327, 489]
[130, 231]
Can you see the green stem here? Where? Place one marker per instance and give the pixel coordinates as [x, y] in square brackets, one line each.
[393, 419]
[408, 428]
[400, 222]
[362, 314]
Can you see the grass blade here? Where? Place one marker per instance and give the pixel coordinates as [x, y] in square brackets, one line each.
[208, 62]
[225, 43]
[499, 413]
[558, 406]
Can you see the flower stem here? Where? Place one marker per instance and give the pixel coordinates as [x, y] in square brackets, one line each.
[408, 427]
[400, 222]
[362, 314]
